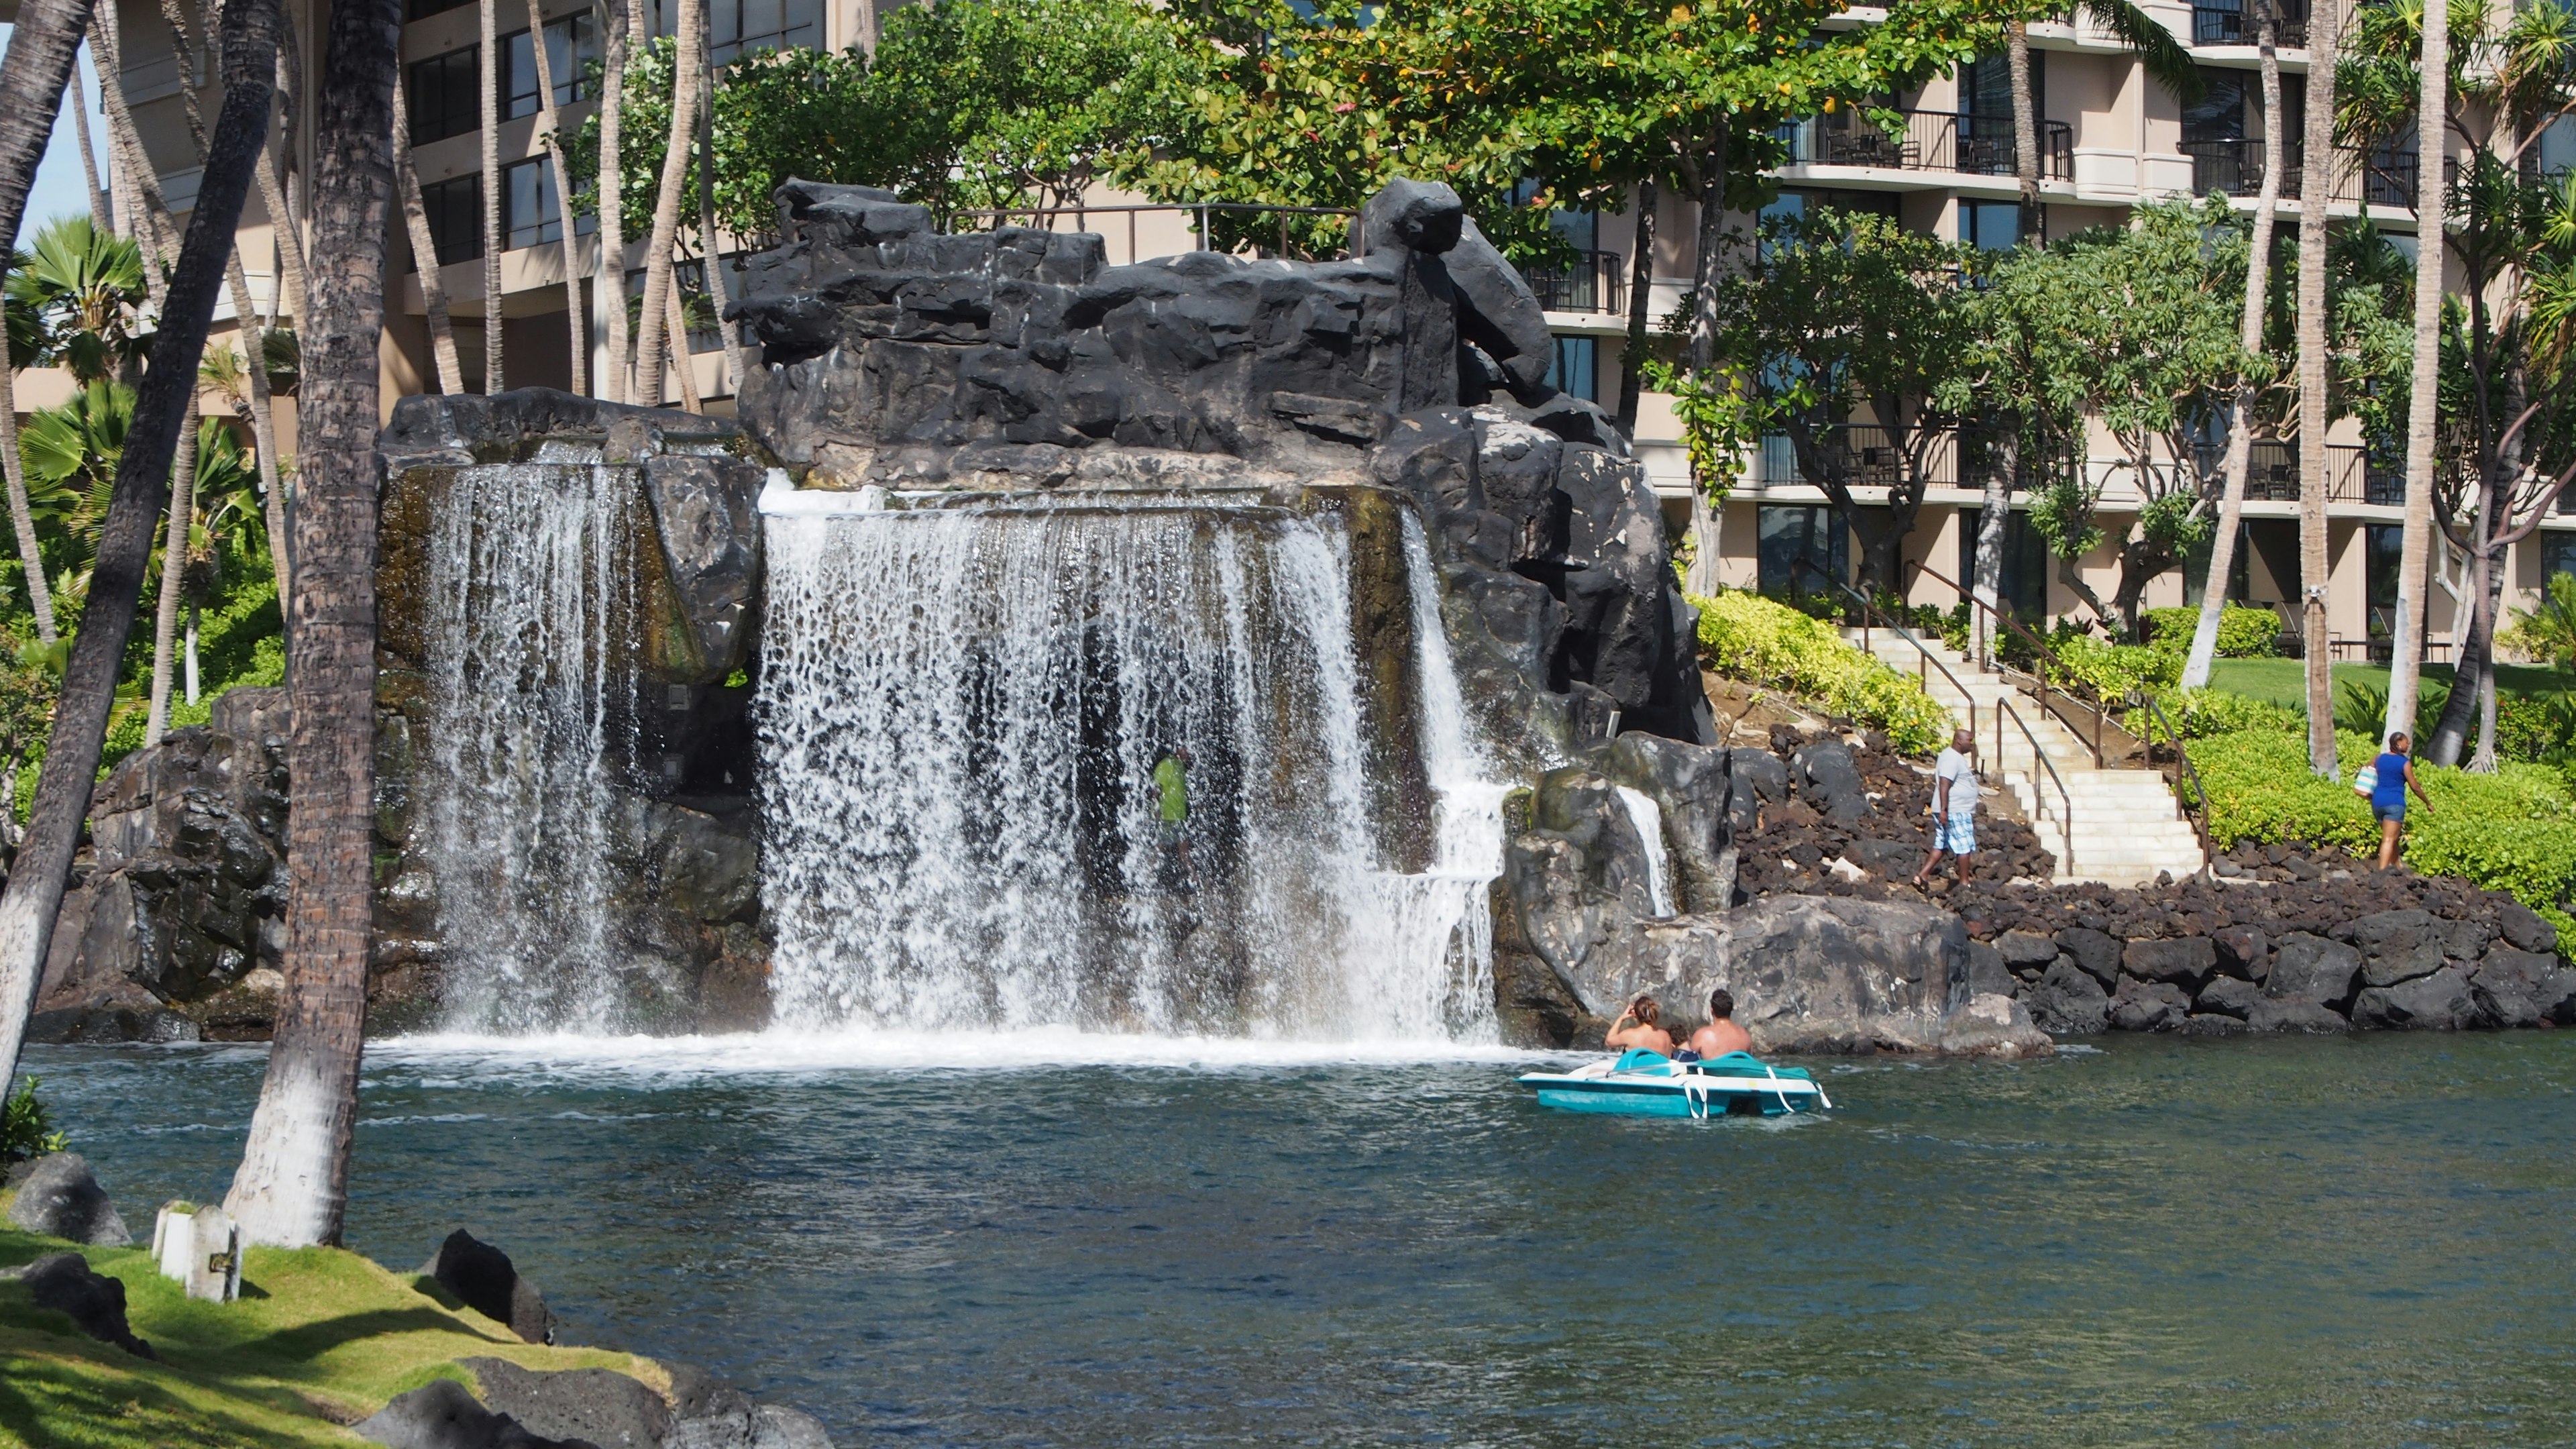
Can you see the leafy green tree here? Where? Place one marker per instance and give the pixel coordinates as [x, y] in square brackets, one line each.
[1842, 314]
[84, 289]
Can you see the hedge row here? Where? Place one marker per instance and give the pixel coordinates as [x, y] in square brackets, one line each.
[1748, 637]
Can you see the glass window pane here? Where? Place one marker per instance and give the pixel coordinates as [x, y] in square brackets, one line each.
[529, 213]
[571, 45]
[455, 213]
[518, 77]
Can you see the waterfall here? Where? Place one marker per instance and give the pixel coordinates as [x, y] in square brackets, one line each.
[1649, 820]
[963, 712]
[528, 600]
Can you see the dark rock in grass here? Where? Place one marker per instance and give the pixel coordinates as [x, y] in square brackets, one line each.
[2526, 928]
[58, 1198]
[2096, 952]
[442, 1415]
[2515, 988]
[2312, 968]
[2148, 1006]
[2439, 1002]
[2184, 963]
[483, 1279]
[2228, 996]
[2295, 1013]
[64, 1283]
[2242, 951]
[595, 1406]
[2027, 953]
[2068, 1001]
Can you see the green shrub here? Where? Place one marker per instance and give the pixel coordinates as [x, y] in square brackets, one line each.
[1748, 637]
[2243, 633]
[24, 1130]
[2532, 728]
[2514, 830]
[2111, 671]
[2201, 713]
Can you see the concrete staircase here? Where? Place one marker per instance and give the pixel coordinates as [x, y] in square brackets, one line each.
[2119, 826]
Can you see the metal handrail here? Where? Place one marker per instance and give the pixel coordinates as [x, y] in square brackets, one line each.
[2065, 801]
[2200, 819]
[2039, 648]
[1928, 662]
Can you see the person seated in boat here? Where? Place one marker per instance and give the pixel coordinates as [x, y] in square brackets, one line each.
[1721, 1035]
[1640, 1026]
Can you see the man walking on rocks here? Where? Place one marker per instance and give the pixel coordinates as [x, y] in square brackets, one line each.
[1954, 806]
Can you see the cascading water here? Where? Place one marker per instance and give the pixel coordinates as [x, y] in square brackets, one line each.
[528, 597]
[1649, 820]
[963, 711]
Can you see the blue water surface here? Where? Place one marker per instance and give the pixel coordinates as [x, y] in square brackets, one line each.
[2350, 1241]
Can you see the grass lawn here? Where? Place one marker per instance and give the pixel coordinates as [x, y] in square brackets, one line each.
[319, 1339]
[2285, 681]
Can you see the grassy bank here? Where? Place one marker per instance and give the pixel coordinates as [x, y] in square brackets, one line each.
[320, 1338]
[2285, 681]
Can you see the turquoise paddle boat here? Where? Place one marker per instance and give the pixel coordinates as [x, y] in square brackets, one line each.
[1649, 1084]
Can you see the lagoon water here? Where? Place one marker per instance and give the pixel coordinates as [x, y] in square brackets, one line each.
[2358, 1241]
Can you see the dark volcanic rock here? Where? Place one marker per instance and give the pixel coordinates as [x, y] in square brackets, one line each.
[1690, 785]
[1987, 971]
[442, 1415]
[2068, 1001]
[58, 1198]
[1827, 779]
[2228, 996]
[2184, 963]
[483, 1278]
[64, 1283]
[595, 1406]
[2313, 968]
[2026, 952]
[2242, 951]
[2096, 952]
[2148, 1006]
[2441, 1001]
[2523, 988]
[2526, 928]
[2295, 1013]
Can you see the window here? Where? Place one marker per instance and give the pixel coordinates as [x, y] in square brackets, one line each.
[444, 99]
[1993, 226]
[746, 27]
[531, 214]
[2387, 542]
[697, 309]
[1985, 88]
[1572, 372]
[455, 217]
[1793, 541]
[571, 43]
[2557, 556]
[2023, 580]
[2219, 114]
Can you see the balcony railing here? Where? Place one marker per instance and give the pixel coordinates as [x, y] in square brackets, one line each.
[2235, 168]
[1597, 282]
[1933, 141]
[2227, 22]
[1863, 456]
[2352, 475]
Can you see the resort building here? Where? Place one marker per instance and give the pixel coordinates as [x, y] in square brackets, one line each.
[2110, 139]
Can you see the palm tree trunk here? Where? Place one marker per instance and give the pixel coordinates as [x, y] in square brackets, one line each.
[623, 27]
[22, 518]
[43, 867]
[682, 363]
[1641, 289]
[1987, 586]
[293, 1184]
[43, 46]
[2025, 119]
[174, 568]
[290, 245]
[424, 256]
[2415, 555]
[489, 49]
[99, 216]
[688, 73]
[263, 431]
[712, 269]
[2240, 411]
[2325, 31]
[276, 188]
[551, 122]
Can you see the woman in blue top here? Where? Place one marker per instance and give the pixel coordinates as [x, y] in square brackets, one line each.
[2395, 774]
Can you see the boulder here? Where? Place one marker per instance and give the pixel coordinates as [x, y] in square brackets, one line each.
[1499, 313]
[1987, 971]
[2396, 946]
[483, 1278]
[2026, 953]
[1764, 772]
[1888, 859]
[2441, 1001]
[1690, 785]
[2228, 996]
[2525, 928]
[706, 518]
[1827, 779]
[2184, 963]
[2068, 1001]
[2513, 988]
[2097, 953]
[442, 1415]
[58, 1198]
[1828, 973]
[2241, 951]
[2312, 968]
[2294, 1014]
[64, 1283]
[1990, 1024]
[2148, 1006]
[594, 1406]
[2217, 1024]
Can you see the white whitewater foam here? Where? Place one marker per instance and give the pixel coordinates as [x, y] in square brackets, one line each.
[1649, 820]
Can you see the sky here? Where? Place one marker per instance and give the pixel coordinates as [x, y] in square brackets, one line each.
[58, 178]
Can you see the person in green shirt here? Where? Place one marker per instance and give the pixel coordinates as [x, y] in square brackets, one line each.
[1172, 811]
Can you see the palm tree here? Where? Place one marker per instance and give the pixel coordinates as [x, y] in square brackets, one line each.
[82, 287]
[424, 255]
[43, 866]
[2316, 184]
[623, 20]
[711, 271]
[43, 45]
[293, 1183]
[2240, 412]
[550, 121]
[98, 213]
[489, 52]
[689, 71]
[2415, 555]
[246, 387]
[22, 519]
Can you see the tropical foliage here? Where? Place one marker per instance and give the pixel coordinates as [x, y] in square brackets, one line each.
[1746, 636]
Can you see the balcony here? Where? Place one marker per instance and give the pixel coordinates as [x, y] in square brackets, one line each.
[1933, 141]
[2235, 168]
[2228, 23]
[1596, 282]
[2352, 475]
[1862, 456]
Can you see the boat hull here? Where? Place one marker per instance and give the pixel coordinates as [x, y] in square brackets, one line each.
[1660, 1088]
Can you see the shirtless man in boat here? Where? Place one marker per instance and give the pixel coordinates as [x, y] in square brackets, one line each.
[1721, 1035]
[1647, 1032]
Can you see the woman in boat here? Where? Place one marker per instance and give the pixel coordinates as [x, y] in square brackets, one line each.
[1641, 1025]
